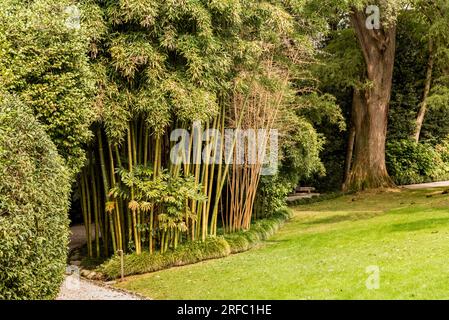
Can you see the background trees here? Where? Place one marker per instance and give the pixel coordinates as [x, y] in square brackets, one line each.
[343, 73]
[434, 16]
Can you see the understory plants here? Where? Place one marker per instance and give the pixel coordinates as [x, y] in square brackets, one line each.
[410, 162]
[192, 252]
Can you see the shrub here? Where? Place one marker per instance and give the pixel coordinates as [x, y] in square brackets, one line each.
[271, 195]
[45, 63]
[409, 162]
[443, 149]
[238, 242]
[260, 230]
[34, 190]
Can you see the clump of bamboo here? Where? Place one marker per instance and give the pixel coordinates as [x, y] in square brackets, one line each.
[128, 214]
[157, 73]
[259, 110]
[125, 189]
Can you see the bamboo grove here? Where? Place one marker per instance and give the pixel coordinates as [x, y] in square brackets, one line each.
[191, 66]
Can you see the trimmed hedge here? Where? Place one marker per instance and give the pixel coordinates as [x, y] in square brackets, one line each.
[34, 195]
[193, 252]
[46, 64]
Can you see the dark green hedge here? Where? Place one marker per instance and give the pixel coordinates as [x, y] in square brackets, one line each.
[189, 253]
[34, 190]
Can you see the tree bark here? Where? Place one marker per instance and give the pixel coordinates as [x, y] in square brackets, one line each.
[423, 106]
[378, 46]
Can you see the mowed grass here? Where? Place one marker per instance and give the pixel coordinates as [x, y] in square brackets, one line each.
[324, 252]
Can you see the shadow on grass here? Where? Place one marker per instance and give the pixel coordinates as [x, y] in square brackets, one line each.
[419, 225]
[345, 217]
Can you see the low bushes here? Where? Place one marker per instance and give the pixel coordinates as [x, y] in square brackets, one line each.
[193, 252]
[409, 162]
[34, 192]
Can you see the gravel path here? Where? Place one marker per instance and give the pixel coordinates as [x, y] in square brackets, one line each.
[74, 288]
[428, 185]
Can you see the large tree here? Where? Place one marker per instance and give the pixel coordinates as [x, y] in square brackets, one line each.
[374, 26]
[370, 105]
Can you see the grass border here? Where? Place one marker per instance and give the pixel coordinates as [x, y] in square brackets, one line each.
[190, 253]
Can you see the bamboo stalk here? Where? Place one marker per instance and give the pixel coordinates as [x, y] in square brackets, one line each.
[84, 210]
[116, 204]
[96, 213]
[88, 216]
[102, 217]
[104, 174]
[220, 176]
[133, 222]
[145, 147]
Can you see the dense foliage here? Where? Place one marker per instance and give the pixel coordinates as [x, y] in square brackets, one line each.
[43, 61]
[194, 65]
[410, 162]
[34, 190]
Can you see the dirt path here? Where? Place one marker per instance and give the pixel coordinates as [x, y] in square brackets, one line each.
[78, 235]
[428, 185]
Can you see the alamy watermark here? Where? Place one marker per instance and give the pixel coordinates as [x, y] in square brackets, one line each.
[235, 146]
[373, 20]
[373, 280]
[73, 20]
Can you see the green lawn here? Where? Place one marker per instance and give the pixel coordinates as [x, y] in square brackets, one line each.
[323, 253]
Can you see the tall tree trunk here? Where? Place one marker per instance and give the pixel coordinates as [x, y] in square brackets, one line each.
[423, 106]
[378, 46]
